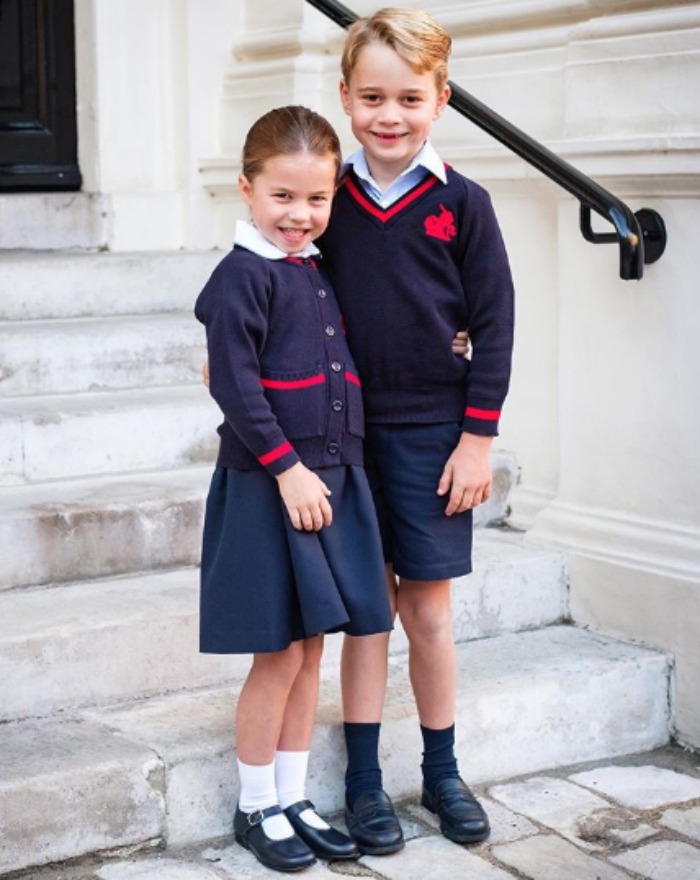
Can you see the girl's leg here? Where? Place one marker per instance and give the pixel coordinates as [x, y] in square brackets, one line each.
[259, 824]
[292, 759]
[259, 720]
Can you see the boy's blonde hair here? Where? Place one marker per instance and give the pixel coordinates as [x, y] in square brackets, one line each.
[412, 34]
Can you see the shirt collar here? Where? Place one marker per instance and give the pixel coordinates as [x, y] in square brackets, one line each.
[426, 157]
[250, 238]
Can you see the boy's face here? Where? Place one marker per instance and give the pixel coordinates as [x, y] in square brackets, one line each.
[392, 109]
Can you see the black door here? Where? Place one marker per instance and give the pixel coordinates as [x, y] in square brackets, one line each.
[38, 142]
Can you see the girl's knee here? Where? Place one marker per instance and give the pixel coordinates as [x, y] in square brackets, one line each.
[281, 664]
[313, 651]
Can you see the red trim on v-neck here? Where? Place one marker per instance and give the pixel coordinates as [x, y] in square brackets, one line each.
[386, 214]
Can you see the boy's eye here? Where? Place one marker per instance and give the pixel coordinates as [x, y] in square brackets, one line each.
[412, 99]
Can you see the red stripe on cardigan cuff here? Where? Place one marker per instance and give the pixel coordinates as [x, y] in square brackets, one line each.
[293, 384]
[350, 377]
[274, 454]
[488, 415]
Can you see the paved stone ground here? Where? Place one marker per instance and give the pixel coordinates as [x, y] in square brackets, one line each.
[635, 817]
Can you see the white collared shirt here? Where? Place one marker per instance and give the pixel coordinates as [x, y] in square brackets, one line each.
[250, 237]
[426, 159]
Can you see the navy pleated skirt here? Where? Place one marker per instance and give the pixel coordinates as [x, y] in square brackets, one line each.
[264, 584]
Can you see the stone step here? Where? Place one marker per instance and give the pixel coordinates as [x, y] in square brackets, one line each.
[57, 646]
[71, 530]
[49, 221]
[63, 436]
[77, 529]
[67, 355]
[40, 285]
[164, 768]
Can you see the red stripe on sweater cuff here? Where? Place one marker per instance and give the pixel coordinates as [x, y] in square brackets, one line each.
[275, 453]
[489, 415]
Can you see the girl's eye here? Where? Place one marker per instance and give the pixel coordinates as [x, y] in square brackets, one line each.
[318, 200]
[281, 195]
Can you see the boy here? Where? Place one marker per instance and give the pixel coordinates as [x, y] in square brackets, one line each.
[415, 252]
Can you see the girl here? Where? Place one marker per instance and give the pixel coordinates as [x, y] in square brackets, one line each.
[276, 571]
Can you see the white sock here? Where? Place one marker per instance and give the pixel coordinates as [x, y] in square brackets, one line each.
[257, 793]
[290, 779]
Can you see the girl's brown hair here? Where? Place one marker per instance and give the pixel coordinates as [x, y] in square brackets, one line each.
[412, 34]
[288, 130]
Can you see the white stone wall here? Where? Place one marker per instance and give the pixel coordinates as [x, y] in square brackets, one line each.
[602, 415]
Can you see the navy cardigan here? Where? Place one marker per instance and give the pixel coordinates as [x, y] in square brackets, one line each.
[279, 365]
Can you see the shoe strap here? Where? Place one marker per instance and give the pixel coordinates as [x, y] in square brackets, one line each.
[258, 816]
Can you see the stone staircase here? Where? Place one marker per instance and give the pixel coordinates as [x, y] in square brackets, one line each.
[114, 731]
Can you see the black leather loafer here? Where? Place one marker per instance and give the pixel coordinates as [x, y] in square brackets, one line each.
[462, 818]
[373, 824]
[290, 854]
[326, 843]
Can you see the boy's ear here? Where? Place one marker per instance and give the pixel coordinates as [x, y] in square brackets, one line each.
[442, 100]
[244, 188]
[345, 96]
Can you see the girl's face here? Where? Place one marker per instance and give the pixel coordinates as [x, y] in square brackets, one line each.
[290, 200]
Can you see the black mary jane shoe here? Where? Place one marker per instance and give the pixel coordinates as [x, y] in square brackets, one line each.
[373, 824]
[289, 854]
[462, 818]
[326, 843]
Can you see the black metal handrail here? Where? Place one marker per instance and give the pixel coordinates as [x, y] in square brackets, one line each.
[641, 235]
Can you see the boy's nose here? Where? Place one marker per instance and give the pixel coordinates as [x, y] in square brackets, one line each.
[389, 113]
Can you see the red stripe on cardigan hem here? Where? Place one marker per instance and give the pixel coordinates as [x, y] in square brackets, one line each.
[293, 384]
[489, 415]
[276, 453]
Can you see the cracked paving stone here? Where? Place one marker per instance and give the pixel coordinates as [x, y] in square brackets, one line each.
[572, 811]
[433, 857]
[685, 822]
[551, 858]
[642, 788]
[664, 860]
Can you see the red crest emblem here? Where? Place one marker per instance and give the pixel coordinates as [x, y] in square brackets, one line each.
[441, 225]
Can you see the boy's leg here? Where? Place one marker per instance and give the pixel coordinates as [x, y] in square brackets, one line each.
[369, 813]
[425, 611]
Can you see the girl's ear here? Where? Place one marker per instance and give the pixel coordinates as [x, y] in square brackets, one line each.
[245, 188]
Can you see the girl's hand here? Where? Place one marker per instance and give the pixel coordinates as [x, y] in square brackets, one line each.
[305, 496]
[467, 475]
[205, 373]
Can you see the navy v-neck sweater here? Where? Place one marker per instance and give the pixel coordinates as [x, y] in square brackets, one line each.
[407, 278]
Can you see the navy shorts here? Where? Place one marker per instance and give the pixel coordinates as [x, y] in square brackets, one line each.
[404, 463]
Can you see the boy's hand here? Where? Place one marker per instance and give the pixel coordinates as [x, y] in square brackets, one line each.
[205, 373]
[305, 496]
[467, 475]
[461, 344]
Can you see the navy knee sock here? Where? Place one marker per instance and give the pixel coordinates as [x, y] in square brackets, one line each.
[439, 761]
[363, 773]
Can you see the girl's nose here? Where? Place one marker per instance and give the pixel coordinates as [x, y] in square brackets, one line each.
[299, 211]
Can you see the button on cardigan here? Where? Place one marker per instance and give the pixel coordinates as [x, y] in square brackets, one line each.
[279, 365]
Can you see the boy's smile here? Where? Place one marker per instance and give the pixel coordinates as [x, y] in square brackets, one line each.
[392, 109]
